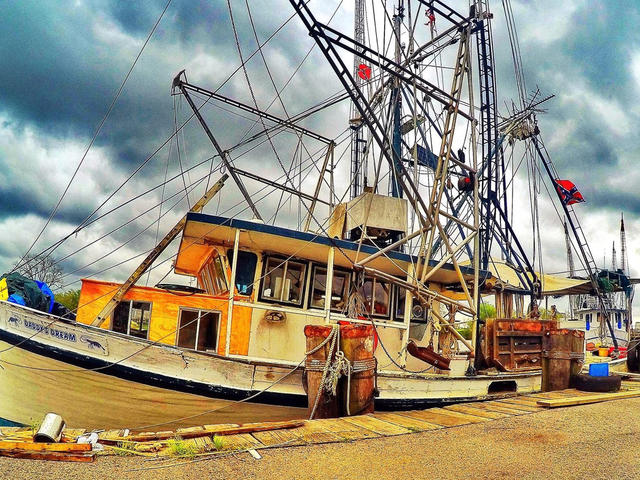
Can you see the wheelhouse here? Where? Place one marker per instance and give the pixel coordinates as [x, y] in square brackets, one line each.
[260, 286]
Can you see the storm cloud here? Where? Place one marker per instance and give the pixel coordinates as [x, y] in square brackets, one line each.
[64, 61]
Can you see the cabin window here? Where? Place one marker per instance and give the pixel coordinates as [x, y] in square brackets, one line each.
[418, 312]
[339, 288]
[283, 281]
[245, 271]
[132, 317]
[401, 297]
[213, 277]
[376, 295]
[198, 329]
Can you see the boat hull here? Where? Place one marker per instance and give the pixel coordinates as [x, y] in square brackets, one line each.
[96, 378]
[94, 400]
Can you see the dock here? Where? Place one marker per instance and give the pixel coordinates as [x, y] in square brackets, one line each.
[230, 438]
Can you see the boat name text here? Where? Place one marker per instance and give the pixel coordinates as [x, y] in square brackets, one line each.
[54, 332]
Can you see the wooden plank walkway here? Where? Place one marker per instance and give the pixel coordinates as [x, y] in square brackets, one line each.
[379, 424]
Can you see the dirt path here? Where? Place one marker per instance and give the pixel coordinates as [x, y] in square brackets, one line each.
[599, 441]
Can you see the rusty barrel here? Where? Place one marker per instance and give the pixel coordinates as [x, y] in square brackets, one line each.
[562, 357]
[357, 343]
[328, 406]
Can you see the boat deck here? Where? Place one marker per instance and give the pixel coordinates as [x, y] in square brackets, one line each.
[208, 439]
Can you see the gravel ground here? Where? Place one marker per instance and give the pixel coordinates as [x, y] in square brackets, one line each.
[598, 441]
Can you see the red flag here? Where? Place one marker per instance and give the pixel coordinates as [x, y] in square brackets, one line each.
[568, 192]
[364, 71]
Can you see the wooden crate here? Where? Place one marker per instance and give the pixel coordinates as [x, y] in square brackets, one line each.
[515, 344]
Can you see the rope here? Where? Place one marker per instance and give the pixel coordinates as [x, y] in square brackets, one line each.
[251, 397]
[333, 336]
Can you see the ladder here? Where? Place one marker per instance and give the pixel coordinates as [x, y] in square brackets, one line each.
[446, 145]
[583, 246]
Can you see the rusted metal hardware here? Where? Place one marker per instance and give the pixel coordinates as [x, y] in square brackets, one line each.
[429, 355]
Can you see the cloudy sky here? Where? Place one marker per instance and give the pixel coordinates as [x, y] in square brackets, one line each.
[64, 61]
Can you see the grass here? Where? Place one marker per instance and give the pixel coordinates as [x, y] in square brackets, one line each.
[218, 442]
[179, 448]
[122, 449]
[34, 425]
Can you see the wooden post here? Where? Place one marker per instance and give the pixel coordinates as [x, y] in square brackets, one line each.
[155, 253]
[356, 341]
[559, 360]
[328, 406]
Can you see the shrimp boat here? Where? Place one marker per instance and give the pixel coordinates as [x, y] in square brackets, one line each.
[414, 236]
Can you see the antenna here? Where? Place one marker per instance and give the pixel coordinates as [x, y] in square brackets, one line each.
[623, 242]
[574, 301]
[614, 265]
[567, 240]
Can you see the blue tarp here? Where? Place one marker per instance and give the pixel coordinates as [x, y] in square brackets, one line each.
[44, 288]
[22, 288]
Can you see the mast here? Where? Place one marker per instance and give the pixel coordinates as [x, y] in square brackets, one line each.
[623, 245]
[396, 101]
[590, 266]
[489, 183]
[614, 263]
[358, 172]
[628, 296]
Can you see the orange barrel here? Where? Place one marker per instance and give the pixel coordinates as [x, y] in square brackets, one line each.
[314, 366]
[562, 357]
[357, 343]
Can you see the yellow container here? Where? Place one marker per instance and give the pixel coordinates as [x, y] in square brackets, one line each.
[603, 351]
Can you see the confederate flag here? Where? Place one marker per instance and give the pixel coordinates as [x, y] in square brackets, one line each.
[568, 192]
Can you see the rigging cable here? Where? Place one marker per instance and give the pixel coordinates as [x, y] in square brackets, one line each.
[95, 135]
[227, 210]
[177, 137]
[253, 96]
[166, 173]
[54, 246]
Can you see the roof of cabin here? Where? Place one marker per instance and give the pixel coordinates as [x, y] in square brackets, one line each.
[203, 231]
